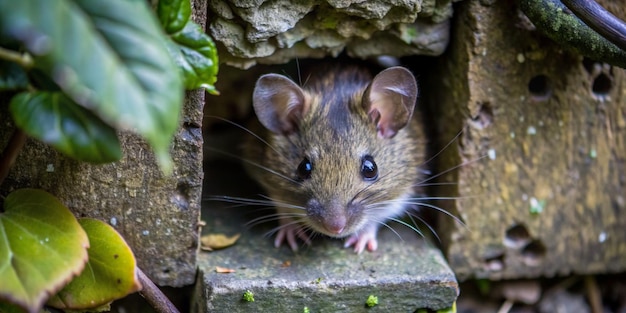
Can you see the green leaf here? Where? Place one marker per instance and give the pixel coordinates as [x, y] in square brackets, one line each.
[197, 57]
[191, 48]
[56, 120]
[110, 273]
[12, 76]
[42, 247]
[174, 14]
[108, 56]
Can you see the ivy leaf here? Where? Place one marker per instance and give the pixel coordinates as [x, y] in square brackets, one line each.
[42, 247]
[191, 48]
[174, 14]
[109, 274]
[107, 56]
[56, 120]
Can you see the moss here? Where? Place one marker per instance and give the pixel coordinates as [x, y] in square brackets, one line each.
[248, 296]
[371, 301]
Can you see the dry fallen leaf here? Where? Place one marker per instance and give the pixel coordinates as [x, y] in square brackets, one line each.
[219, 269]
[212, 242]
[286, 264]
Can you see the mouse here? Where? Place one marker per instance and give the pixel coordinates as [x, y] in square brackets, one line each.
[339, 155]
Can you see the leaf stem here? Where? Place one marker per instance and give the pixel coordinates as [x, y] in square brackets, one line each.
[23, 59]
[10, 153]
[154, 295]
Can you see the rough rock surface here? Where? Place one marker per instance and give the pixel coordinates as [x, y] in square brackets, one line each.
[543, 140]
[276, 31]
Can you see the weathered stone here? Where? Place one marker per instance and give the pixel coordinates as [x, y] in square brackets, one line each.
[251, 32]
[543, 143]
[409, 39]
[233, 34]
[272, 18]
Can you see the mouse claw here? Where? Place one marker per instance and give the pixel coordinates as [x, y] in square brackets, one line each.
[290, 233]
[360, 241]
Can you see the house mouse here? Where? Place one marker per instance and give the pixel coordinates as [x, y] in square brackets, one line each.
[340, 156]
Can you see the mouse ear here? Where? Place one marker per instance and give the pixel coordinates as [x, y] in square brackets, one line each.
[389, 100]
[278, 103]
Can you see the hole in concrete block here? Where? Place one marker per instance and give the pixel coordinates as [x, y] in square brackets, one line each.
[495, 263]
[540, 87]
[181, 197]
[589, 65]
[517, 236]
[602, 85]
[484, 118]
[533, 253]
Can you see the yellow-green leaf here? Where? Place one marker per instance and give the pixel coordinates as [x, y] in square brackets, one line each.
[42, 247]
[110, 272]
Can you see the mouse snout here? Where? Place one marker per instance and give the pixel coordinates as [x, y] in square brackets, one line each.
[335, 225]
[329, 217]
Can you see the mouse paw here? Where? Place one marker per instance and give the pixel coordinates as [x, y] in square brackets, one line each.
[362, 240]
[290, 232]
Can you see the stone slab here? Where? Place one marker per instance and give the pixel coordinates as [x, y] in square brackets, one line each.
[405, 273]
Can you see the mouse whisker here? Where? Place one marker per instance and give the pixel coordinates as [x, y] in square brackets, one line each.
[411, 227]
[284, 204]
[458, 134]
[368, 196]
[240, 201]
[267, 169]
[432, 230]
[420, 183]
[246, 130]
[436, 184]
[432, 206]
[273, 217]
[297, 222]
[383, 223]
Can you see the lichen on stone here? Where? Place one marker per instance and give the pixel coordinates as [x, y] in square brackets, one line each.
[276, 31]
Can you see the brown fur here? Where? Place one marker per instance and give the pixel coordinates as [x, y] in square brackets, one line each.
[334, 133]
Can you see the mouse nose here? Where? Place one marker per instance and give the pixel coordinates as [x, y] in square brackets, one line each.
[335, 229]
[336, 225]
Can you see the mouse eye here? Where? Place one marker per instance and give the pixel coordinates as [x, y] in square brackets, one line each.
[304, 169]
[369, 170]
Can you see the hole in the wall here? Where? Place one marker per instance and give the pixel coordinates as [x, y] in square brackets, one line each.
[495, 263]
[181, 197]
[602, 85]
[484, 118]
[540, 87]
[517, 236]
[589, 65]
[222, 138]
[533, 253]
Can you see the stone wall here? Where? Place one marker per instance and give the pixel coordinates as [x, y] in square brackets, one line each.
[544, 142]
[276, 31]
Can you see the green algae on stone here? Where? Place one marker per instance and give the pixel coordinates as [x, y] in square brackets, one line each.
[554, 20]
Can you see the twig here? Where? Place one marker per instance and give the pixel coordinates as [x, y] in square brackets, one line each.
[154, 296]
[506, 306]
[10, 153]
[24, 60]
[593, 294]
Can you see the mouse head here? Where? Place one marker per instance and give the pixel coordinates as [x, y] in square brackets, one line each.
[343, 143]
[389, 100]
